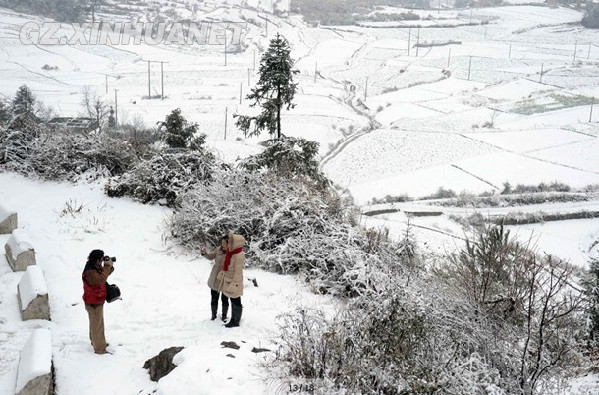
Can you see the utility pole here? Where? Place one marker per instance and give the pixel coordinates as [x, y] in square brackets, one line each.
[106, 75]
[469, 66]
[448, 57]
[315, 71]
[409, 37]
[417, 41]
[366, 89]
[591, 114]
[575, 48]
[541, 76]
[162, 80]
[116, 107]
[226, 110]
[161, 77]
[248, 76]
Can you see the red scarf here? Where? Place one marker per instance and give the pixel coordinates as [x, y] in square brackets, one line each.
[228, 257]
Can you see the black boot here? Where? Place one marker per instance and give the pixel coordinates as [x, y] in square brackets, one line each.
[214, 308]
[235, 316]
[225, 311]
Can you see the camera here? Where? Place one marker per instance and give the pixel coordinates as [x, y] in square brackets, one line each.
[106, 258]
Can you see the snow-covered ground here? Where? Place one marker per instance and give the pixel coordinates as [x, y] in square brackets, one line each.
[166, 301]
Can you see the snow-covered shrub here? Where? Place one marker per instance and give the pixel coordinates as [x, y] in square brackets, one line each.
[16, 146]
[165, 175]
[60, 155]
[591, 284]
[534, 298]
[177, 132]
[288, 157]
[396, 342]
[64, 156]
[290, 226]
[591, 17]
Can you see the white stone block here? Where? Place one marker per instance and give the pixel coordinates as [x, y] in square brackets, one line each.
[33, 295]
[8, 221]
[19, 251]
[34, 374]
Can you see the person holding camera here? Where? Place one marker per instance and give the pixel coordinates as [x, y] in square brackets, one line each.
[96, 271]
[218, 255]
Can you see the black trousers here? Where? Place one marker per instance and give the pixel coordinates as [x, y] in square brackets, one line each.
[236, 301]
[214, 298]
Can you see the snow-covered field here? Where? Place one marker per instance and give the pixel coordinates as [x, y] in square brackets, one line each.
[508, 101]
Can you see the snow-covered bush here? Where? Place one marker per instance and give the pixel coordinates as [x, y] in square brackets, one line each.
[60, 155]
[164, 176]
[289, 157]
[291, 227]
[177, 132]
[591, 284]
[400, 340]
[534, 298]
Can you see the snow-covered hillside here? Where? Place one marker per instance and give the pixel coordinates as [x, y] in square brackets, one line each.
[488, 96]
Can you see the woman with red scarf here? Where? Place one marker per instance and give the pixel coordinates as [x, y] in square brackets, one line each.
[232, 276]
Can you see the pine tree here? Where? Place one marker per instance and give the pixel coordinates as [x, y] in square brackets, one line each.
[274, 89]
[5, 114]
[178, 133]
[23, 101]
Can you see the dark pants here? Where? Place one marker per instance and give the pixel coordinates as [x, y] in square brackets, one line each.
[214, 298]
[236, 301]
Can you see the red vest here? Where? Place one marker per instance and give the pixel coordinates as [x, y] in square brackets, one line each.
[93, 294]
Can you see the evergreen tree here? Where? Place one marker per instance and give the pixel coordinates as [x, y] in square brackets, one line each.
[274, 90]
[178, 133]
[5, 114]
[591, 17]
[23, 101]
[290, 157]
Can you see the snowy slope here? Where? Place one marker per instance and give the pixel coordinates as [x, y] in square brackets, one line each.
[166, 301]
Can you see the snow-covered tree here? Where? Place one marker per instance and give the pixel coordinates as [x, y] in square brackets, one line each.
[179, 133]
[5, 114]
[23, 101]
[95, 107]
[289, 157]
[275, 89]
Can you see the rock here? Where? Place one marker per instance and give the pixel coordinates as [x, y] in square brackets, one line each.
[257, 350]
[232, 345]
[230, 355]
[162, 364]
